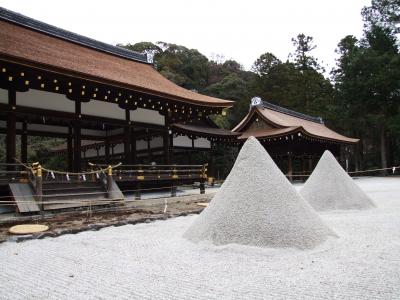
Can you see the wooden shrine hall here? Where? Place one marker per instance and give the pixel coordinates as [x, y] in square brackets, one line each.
[59, 84]
[290, 137]
[55, 83]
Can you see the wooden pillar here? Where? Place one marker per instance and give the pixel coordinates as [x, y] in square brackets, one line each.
[70, 153]
[77, 137]
[107, 150]
[127, 138]
[149, 154]
[303, 168]
[11, 129]
[133, 147]
[211, 162]
[310, 164]
[166, 143]
[24, 142]
[290, 168]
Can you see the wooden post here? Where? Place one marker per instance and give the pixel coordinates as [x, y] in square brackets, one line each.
[127, 138]
[139, 178]
[211, 161]
[310, 164]
[70, 150]
[107, 150]
[77, 137]
[166, 146]
[11, 130]
[149, 154]
[174, 182]
[290, 167]
[173, 189]
[24, 142]
[39, 187]
[133, 146]
[109, 182]
[203, 177]
[138, 195]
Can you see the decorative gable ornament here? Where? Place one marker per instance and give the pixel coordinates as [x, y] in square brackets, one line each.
[255, 101]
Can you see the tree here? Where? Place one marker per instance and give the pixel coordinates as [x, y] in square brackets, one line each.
[382, 13]
[186, 67]
[152, 50]
[232, 87]
[264, 64]
[367, 84]
[302, 55]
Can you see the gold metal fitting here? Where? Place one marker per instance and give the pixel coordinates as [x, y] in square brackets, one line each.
[39, 171]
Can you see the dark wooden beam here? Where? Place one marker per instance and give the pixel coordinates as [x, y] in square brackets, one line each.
[70, 153]
[24, 142]
[77, 137]
[11, 129]
[290, 167]
[107, 150]
[127, 138]
[133, 147]
[166, 143]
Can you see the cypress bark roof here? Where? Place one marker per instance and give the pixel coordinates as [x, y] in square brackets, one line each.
[283, 122]
[36, 44]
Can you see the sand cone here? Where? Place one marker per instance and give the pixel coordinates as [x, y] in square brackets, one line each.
[258, 206]
[330, 188]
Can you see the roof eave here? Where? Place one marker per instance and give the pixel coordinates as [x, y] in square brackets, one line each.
[66, 72]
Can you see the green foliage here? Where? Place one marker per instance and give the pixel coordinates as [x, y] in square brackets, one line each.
[265, 63]
[298, 84]
[361, 99]
[367, 83]
[382, 13]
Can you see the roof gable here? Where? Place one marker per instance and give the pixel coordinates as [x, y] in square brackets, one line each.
[286, 121]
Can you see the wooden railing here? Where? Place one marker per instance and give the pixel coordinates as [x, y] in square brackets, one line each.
[12, 173]
[169, 175]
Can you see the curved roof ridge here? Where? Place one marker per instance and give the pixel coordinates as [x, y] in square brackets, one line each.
[291, 112]
[286, 122]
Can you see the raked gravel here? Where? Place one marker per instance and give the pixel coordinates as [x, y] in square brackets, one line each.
[330, 188]
[258, 206]
[153, 261]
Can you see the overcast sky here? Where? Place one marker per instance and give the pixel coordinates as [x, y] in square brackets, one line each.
[241, 30]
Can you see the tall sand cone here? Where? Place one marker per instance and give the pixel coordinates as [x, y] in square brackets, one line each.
[329, 187]
[258, 206]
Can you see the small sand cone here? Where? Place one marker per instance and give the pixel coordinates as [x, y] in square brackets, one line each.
[330, 188]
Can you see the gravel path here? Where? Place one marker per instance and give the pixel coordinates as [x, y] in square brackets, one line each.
[152, 261]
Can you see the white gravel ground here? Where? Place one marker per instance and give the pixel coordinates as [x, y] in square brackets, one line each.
[153, 261]
[330, 188]
[258, 206]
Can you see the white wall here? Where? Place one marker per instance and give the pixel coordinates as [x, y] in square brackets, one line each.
[147, 116]
[103, 109]
[182, 141]
[202, 143]
[45, 100]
